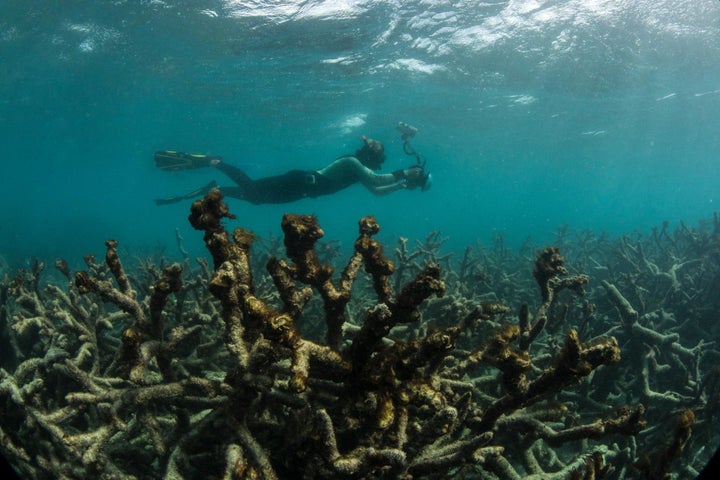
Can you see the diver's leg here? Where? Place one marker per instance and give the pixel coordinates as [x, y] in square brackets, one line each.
[234, 174]
[288, 187]
[285, 188]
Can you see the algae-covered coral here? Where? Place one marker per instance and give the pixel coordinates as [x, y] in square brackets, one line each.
[383, 370]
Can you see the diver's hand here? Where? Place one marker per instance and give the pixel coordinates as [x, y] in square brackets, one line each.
[414, 174]
[411, 177]
[414, 177]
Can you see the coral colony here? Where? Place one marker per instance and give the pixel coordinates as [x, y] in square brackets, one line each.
[392, 370]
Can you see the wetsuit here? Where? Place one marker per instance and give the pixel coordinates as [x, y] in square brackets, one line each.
[288, 187]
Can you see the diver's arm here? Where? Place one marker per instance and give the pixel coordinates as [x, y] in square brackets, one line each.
[387, 189]
[399, 179]
[346, 168]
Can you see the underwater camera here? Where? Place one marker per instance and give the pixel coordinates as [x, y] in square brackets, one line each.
[407, 130]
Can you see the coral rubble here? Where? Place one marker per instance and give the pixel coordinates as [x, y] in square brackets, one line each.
[212, 374]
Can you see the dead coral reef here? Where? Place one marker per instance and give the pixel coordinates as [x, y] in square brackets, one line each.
[663, 288]
[99, 380]
[657, 295]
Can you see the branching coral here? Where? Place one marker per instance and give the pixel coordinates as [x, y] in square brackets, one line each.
[174, 384]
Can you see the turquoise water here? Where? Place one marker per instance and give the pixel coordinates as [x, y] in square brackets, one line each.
[599, 115]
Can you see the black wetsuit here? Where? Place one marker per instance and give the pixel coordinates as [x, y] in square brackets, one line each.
[288, 187]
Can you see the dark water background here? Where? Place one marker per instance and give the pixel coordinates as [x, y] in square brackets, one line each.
[600, 115]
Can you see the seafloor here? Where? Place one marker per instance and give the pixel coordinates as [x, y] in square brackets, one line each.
[593, 357]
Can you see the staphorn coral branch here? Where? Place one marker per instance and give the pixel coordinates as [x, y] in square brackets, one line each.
[301, 234]
[551, 275]
[392, 397]
[574, 361]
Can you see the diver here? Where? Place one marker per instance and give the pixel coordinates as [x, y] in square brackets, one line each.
[297, 184]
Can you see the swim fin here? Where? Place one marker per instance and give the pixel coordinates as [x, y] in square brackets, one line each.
[188, 196]
[172, 160]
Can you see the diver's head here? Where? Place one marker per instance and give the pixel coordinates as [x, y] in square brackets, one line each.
[372, 154]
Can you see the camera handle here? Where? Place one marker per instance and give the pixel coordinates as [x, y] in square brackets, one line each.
[407, 132]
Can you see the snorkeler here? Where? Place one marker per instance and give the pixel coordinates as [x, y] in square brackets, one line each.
[297, 184]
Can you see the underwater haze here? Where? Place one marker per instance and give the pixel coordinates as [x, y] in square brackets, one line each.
[599, 115]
